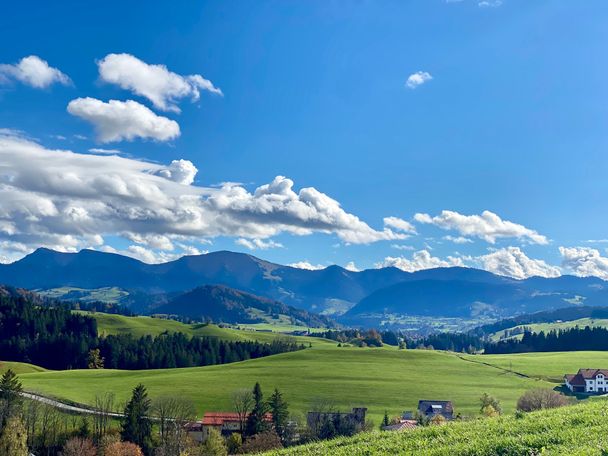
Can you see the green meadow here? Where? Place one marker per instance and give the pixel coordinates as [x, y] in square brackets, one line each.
[380, 379]
[108, 324]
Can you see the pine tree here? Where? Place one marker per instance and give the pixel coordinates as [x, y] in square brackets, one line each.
[280, 413]
[386, 421]
[13, 439]
[10, 394]
[255, 420]
[136, 426]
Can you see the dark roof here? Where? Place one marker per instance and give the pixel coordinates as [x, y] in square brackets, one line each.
[592, 373]
[435, 406]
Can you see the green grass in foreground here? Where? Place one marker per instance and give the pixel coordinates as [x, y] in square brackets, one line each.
[142, 326]
[380, 379]
[577, 430]
[546, 327]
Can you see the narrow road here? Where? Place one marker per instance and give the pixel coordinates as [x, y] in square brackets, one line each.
[66, 407]
[508, 371]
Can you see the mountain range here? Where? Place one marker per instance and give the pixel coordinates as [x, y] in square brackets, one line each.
[442, 292]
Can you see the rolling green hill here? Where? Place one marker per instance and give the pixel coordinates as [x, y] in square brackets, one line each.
[141, 326]
[20, 368]
[381, 379]
[576, 431]
[546, 327]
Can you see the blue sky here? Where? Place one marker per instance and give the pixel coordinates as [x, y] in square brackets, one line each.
[511, 118]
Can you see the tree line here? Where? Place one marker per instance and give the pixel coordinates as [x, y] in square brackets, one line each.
[573, 339]
[55, 338]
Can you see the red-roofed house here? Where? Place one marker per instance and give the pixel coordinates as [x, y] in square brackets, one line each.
[225, 422]
[588, 381]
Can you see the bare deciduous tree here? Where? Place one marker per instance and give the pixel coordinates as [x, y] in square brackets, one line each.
[173, 413]
[242, 402]
[104, 403]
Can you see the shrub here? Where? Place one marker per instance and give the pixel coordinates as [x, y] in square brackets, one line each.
[78, 446]
[215, 445]
[540, 398]
[123, 449]
[235, 443]
[264, 441]
[487, 400]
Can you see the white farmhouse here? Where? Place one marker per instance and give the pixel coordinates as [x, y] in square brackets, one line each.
[588, 381]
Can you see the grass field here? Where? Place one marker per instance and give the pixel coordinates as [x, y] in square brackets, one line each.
[381, 379]
[575, 431]
[545, 366]
[19, 368]
[141, 326]
[546, 327]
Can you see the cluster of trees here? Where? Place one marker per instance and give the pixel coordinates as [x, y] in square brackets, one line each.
[457, 342]
[573, 339]
[56, 338]
[369, 338]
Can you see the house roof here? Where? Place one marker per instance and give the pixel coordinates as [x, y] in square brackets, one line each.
[220, 418]
[435, 406]
[402, 425]
[579, 378]
[592, 373]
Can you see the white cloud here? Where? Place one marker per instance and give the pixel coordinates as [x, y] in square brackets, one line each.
[258, 244]
[351, 266]
[123, 120]
[97, 150]
[584, 262]
[458, 239]
[420, 260]
[180, 171]
[487, 226]
[307, 265]
[399, 225]
[513, 262]
[33, 71]
[417, 79]
[69, 201]
[154, 82]
[489, 3]
[402, 247]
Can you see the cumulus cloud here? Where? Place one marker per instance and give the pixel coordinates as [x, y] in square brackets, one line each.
[487, 226]
[417, 79]
[154, 82]
[402, 247]
[68, 201]
[584, 262]
[123, 120]
[180, 171]
[399, 225]
[258, 244]
[33, 71]
[420, 260]
[307, 265]
[513, 262]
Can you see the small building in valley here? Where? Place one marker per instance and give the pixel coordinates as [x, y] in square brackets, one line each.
[225, 422]
[593, 381]
[430, 409]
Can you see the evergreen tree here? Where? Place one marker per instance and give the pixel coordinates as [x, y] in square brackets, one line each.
[10, 394]
[136, 426]
[255, 420]
[280, 413]
[13, 439]
[385, 421]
